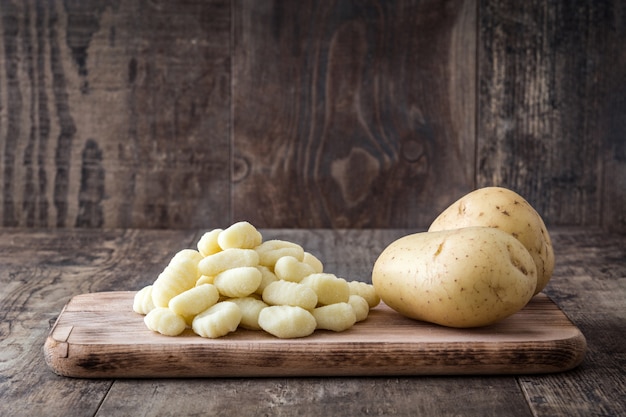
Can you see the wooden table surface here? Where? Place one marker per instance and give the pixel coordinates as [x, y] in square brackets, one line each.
[41, 270]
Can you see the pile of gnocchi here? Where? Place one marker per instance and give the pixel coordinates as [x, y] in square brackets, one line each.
[234, 280]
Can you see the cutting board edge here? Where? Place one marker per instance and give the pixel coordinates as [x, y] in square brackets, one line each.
[80, 361]
[76, 360]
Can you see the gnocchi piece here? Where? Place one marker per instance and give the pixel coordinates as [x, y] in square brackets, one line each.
[328, 287]
[218, 320]
[207, 245]
[291, 269]
[238, 282]
[314, 262]
[290, 293]
[366, 291]
[250, 309]
[176, 278]
[241, 235]
[336, 317]
[165, 321]
[234, 279]
[205, 279]
[227, 259]
[360, 306]
[142, 302]
[194, 301]
[271, 251]
[267, 277]
[187, 254]
[287, 322]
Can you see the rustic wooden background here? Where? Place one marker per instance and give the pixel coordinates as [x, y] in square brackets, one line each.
[339, 114]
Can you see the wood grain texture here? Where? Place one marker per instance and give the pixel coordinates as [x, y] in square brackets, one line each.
[40, 270]
[114, 114]
[39, 273]
[352, 114]
[99, 336]
[403, 396]
[551, 104]
[591, 290]
[189, 113]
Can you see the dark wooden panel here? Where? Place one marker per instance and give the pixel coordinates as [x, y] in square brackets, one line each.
[343, 114]
[611, 114]
[350, 113]
[115, 114]
[551, 106]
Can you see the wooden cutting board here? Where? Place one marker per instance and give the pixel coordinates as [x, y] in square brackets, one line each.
[99, 336]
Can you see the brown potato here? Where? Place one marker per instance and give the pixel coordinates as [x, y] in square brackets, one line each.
[466, 277]
[506, 210]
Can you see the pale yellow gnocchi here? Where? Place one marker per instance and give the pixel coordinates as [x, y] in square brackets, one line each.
[227, 259]
[366, 291]
[272, 250]
[267, 277]
[329, 288]
[311, 260]
[241, 235]
[290, 293]
[195, 300]
[219, 320]
[176, 278]
[336, 317]
[187, 255]
[236, 280]
[142, 302]
[208, 245]
[250, 309]
[287, 322]
[165, 321]
[205, 279]
[289, 268]
[360, 306]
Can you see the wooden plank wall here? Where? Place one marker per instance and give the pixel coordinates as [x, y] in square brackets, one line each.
[197, 113]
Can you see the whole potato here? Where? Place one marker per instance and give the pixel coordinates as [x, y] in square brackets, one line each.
[506, 210]
[465, 277]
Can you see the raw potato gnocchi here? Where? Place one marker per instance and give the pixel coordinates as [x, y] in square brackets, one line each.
[288, 268]
[240, 235]
[267, 277]
[336, 317]
[235, 279]
[165, 321]
[290, 293]
[250, 309]
[328, 288]
[217, 321]
[227, 259]
[142, 302]
[272, 250]
[208, 245]
[360, 306]
[367, 291]
[195, 300]
[287, 322]
[313, 262]
[180, 275]
[238, 282]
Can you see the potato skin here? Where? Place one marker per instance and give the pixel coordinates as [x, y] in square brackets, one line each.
[506, 210]
[466, 277]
